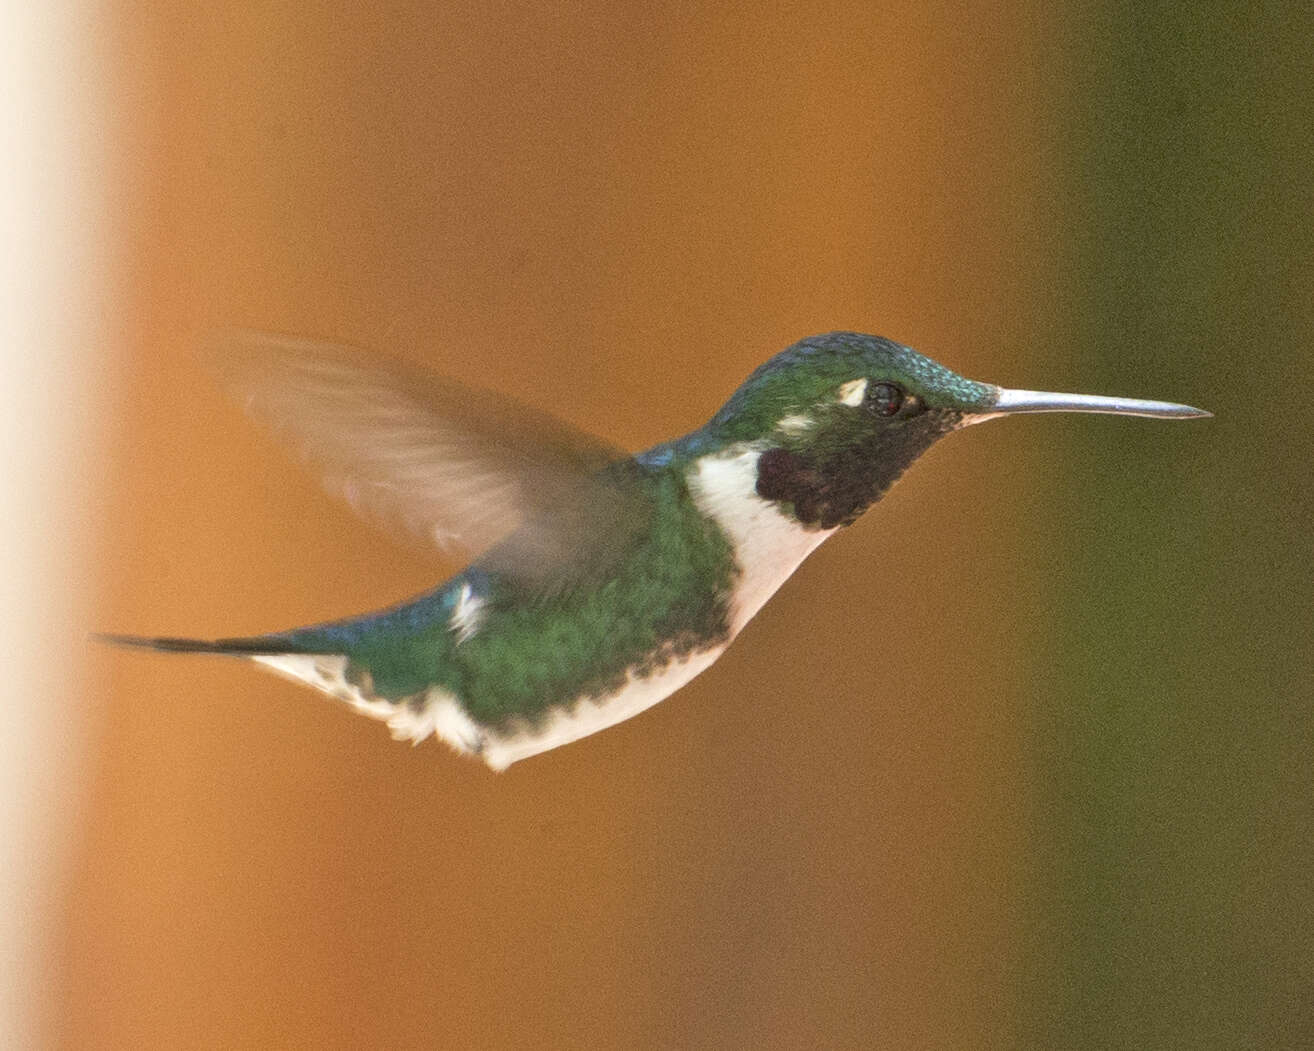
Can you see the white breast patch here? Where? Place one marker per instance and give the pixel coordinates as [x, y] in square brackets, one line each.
[768, 545]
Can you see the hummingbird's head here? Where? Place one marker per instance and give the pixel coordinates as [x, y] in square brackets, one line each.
[837, 418]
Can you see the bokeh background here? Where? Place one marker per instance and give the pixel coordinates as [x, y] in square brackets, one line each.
[1021, 760]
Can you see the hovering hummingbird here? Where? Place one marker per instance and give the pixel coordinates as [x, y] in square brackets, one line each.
[602, 582]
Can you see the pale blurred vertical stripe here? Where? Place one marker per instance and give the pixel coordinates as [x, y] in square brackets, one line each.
[54, 261]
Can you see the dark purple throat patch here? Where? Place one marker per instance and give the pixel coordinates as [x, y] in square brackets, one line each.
[821, 498]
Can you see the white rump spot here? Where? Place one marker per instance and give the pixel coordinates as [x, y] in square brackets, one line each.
[468, 614]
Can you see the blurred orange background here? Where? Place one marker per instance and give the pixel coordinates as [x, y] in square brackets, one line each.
[851, 831]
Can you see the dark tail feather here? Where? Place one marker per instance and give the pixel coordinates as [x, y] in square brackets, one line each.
[234, 647]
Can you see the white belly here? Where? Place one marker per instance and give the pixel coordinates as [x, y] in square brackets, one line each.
[570, 723]
[442, 716]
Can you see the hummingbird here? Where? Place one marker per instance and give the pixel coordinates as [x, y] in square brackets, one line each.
[600, 582]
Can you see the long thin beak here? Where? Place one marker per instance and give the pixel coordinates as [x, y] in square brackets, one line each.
[1011, 401]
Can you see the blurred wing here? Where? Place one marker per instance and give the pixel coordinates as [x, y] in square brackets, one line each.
[466, 470]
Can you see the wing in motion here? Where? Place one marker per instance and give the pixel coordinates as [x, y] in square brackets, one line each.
[470, 471]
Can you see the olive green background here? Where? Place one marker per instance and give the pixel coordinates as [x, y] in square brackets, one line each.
[1021, 760]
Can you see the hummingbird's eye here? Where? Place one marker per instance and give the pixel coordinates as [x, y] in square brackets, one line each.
[884, 399]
